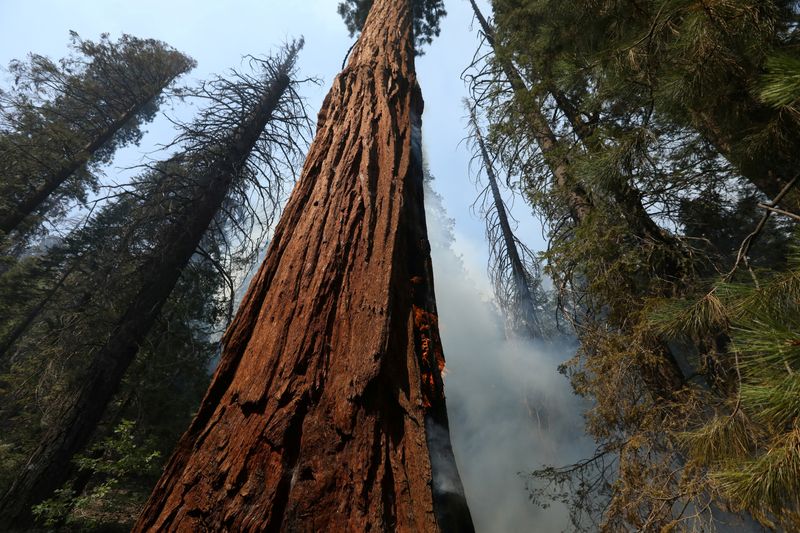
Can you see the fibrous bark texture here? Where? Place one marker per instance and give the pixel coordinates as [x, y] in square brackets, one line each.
[327, 411]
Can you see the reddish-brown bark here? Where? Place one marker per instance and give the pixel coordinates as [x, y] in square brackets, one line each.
[327, 411]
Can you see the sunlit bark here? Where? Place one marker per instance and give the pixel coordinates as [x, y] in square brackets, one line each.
[327, 412]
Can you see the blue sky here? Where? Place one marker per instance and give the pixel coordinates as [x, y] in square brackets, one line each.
[218, 33]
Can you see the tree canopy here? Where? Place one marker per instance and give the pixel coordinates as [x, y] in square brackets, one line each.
[61, 121]
[656, 141]
[674, 124]
[427, 14]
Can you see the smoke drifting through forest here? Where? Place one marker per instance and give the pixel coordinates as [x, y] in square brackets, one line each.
[510, 410]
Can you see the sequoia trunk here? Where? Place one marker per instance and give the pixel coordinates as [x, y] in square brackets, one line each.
[327, 412]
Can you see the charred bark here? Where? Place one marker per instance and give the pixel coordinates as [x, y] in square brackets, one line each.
[49, 466]
[327, 412]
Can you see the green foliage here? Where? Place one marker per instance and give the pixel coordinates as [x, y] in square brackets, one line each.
[676, 121]
[749, 449]
[48, 361]
[427, 14]
[117, 463]
[48, 364]
[120, 454]
[768, 484]
[79, 295]
[781, 83]
[61, 121]
[718, 223]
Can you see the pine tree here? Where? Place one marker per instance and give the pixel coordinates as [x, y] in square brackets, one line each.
[574, 205]
[327, 411]
[745, 442]
[513, 268]
[701, 64]
[114, 474]
[63, 120]
[642, 97]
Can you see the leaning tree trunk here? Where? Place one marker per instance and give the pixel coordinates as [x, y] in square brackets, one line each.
[577, 198]
[7, 342]
[49, 466]
[327, 412]
[771, 171]
[523, 302]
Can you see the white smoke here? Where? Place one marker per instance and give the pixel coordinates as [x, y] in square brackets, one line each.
[445, 479]
[510, 410]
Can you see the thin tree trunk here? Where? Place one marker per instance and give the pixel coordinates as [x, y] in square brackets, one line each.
[10, 220]
[9, 340]
[524, 298]
[49, 466]
[327, 412]
[625, 195]
[770, 175]
[578, 200]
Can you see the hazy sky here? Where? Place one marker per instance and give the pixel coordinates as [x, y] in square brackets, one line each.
[218, 33]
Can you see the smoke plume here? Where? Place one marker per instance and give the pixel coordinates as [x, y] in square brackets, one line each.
[510, 410]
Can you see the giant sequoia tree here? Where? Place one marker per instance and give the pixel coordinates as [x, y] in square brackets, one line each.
[139, 246]
[327, 411]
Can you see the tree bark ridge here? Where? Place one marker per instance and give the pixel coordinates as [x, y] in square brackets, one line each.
[331, 372]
